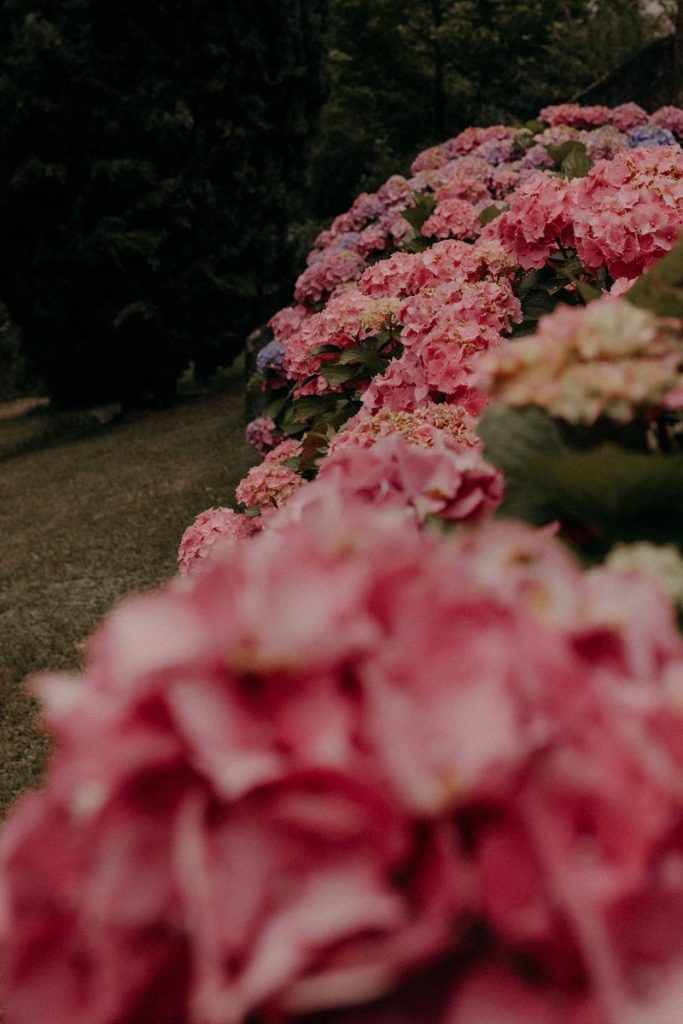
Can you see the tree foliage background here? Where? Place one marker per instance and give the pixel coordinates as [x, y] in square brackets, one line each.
[164, 163]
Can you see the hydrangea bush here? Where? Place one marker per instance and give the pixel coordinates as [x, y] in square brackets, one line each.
[380, 754]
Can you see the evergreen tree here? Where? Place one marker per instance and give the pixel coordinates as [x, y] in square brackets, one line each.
[151, 160]
[406, 75]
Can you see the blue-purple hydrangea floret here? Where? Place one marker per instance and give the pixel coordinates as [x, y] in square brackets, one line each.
[650, 135]
[271, 357]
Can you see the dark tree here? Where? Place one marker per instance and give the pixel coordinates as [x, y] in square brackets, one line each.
[151, 159]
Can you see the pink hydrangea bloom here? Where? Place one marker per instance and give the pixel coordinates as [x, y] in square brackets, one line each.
[391, 277]
[330, 269]
[628, 115]
[471, 138]
[670, 118]
[287, 322]
[505, 180]
[452, 218]
[254, 805]
[439, 479]
[430, 159]
[395, 191]
[604, 143]
[628, 212]
[538, 222]
[576, 116]
[212, 531]
[262, 434]
[422, 426]
[348, 317]
[271, 483]
[537, 156]
[465, 178]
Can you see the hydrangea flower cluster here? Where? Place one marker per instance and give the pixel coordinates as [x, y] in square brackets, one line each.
[432, 296]
[607, 359]
[350, 759]
[211, 532]
[271, 483]
[262, 434]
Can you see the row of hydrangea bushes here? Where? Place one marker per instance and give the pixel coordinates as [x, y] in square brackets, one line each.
[403, 742]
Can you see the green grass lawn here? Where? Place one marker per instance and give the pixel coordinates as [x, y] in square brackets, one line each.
[85, 521]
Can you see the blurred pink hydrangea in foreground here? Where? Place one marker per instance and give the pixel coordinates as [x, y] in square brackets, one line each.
[348, 753]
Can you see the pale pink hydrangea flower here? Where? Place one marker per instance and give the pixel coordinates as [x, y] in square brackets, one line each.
[557, 135]
[420, 427]
[271, 483]
[440, 480]
[505, 180]
[537, 157]
[392, 277]
[395, 191]
[330, 269]
[430, 159]
[604, 143]
[607, 359]
[212, 531]
[471, 138]
[288, 321]
[465, 178]
[452, 218]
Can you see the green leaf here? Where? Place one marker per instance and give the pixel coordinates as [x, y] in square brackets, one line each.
[336, 374]
[492, 213]
[588, 292]
[419, 213]
[512, 438]
[660, 289]
[629, 495]
[325, 350]
[571, 159]
[362, 357]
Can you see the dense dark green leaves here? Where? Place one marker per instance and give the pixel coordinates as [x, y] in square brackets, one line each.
[153, 157]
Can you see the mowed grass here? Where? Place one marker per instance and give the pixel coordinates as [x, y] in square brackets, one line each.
[85, 522]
